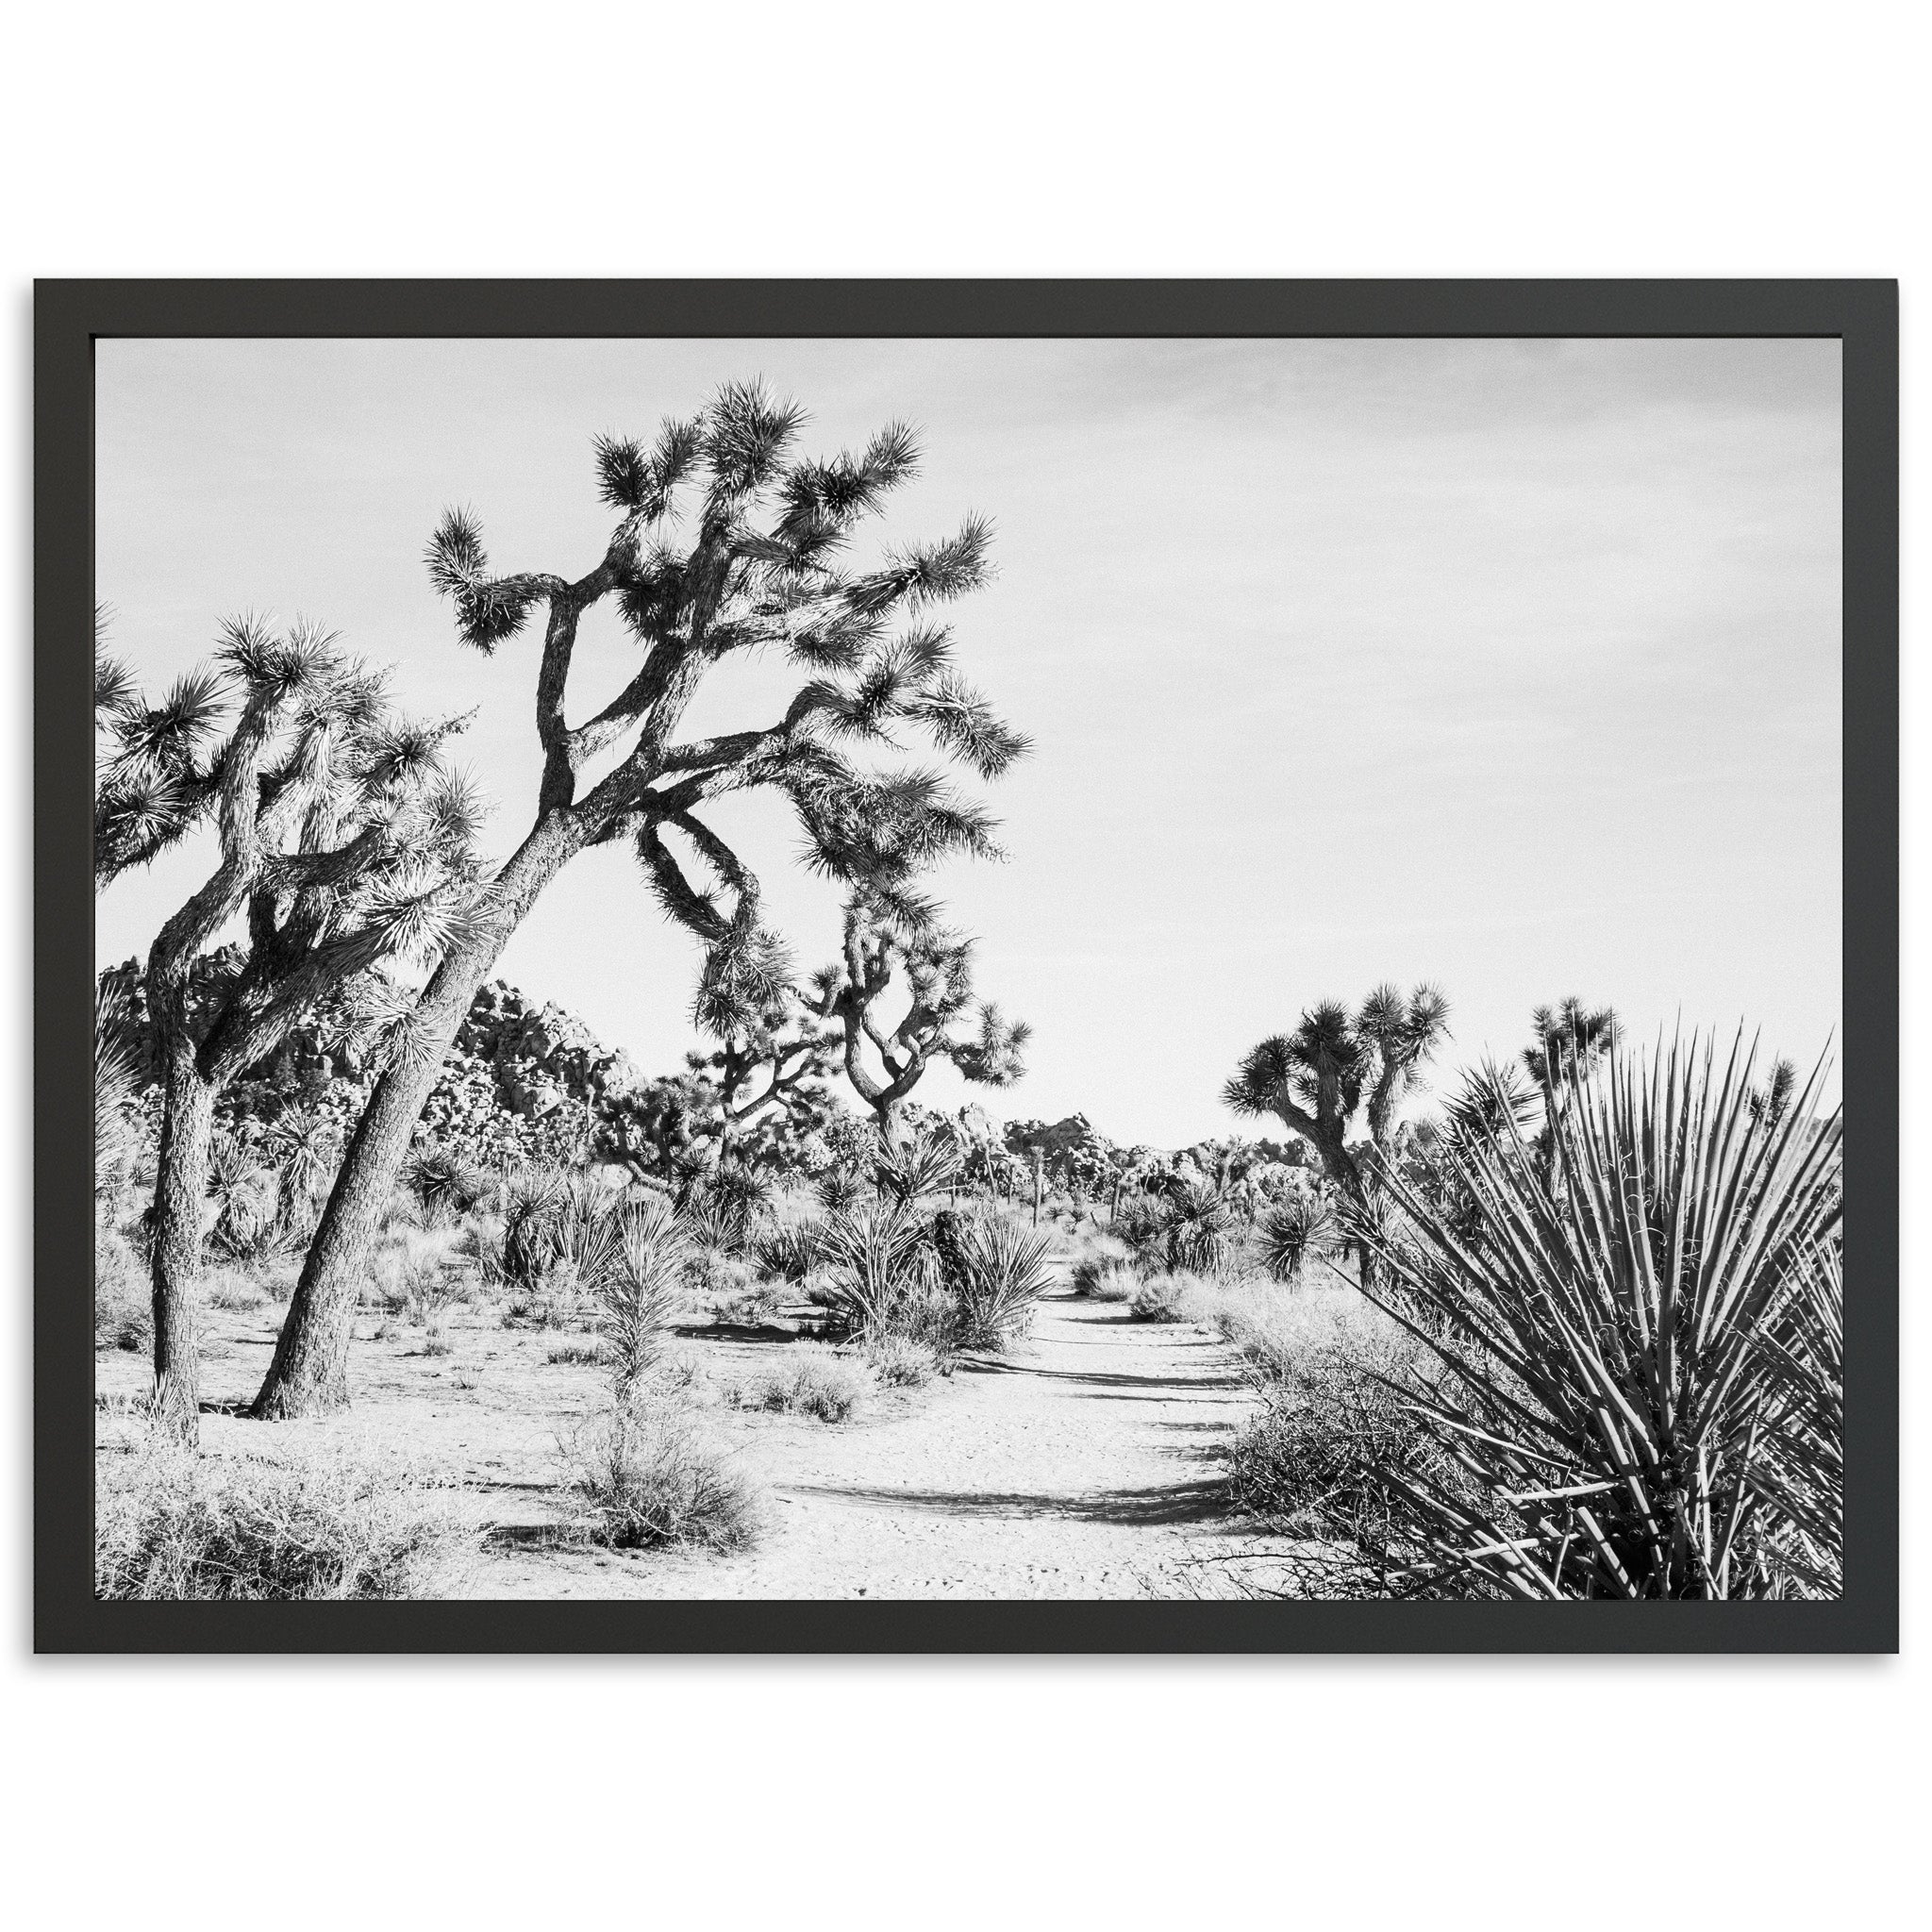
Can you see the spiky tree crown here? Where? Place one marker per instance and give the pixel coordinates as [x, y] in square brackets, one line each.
[728, 541]
[347, 842]
[1569, 1039]
[884, 944]
[154, 764]
[1335, 1062]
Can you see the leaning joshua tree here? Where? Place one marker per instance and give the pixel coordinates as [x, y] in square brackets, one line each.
[345, 848]
[725, 545]
[884, 939]
[1336, 1064]
[155, 773]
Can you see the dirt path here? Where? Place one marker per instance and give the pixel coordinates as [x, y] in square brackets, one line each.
[1085, 1464]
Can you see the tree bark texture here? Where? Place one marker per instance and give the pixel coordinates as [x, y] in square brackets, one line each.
[310, 1373]
[174, 1269]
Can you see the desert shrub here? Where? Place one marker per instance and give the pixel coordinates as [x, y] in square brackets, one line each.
[650, 1479]
[171, 1526]
[753, 1307]
[1611, 1336]
[839, 1187]
[996, 1272]
[232, 1292]
[1335, 1429]
[721, 1277]
[1299, 1228]
[1105, 1278]
[1159, 1298]
[813, 1381]
[897, 1361]
[576, 1353]
[124, 1300]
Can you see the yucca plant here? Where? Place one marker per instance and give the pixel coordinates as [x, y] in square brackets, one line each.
[875, 1257]
[1300, 1228]
[722, 1208]
[447, 1186]
[638, 1287]
[923, 1162]
[532, 1201]
[1608, 1334]
[1140, 1222]
[838, 1187]
[1200, 1229]
[996, 1270]
[1802, 1386]
[787, 1250]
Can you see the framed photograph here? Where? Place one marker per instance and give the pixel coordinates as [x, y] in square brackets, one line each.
[966, 966]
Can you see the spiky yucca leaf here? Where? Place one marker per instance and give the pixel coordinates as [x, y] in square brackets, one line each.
[1605, 1328]
[1801, 1383]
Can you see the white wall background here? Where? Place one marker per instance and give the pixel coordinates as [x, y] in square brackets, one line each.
[1022, 139]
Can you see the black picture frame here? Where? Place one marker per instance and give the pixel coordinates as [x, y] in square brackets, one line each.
[71, 315]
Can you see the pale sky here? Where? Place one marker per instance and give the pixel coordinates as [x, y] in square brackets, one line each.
[1512, 666]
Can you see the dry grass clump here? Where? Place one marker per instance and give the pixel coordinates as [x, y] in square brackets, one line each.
[574, 1353]
[1102, 1278]
[233, 1292]
[815, 1382]
[338, 1525]
[1162, 1297]
[651, 1480]
[1323, 1455]
[897, 1361]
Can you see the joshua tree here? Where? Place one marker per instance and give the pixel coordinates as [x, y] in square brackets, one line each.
[155, 776]
[755, 567]
[767, 1063]
[1570, 1039]
[1336, 1063]
[880, 939]
[345, 846]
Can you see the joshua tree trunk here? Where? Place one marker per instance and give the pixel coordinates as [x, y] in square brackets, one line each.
[180, 1210]
[310, 1373]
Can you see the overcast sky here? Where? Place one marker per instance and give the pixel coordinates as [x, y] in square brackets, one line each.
[1510, 666]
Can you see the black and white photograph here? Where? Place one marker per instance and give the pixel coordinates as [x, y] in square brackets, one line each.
[1190, 969]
